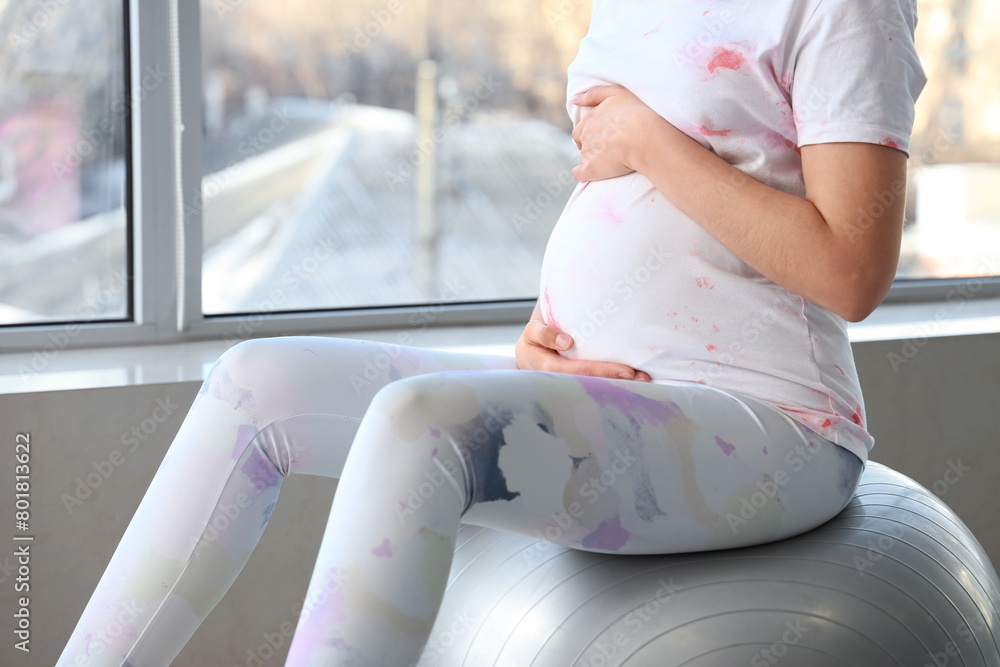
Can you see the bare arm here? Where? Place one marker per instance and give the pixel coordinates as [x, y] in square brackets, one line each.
[838, 246]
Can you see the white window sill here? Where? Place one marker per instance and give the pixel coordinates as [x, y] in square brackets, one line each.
[26, 372]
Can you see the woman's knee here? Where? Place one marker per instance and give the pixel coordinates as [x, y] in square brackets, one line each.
[425, 404]
[251, 353]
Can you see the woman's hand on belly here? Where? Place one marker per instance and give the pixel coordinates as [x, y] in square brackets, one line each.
[538, 350]
[612, 127]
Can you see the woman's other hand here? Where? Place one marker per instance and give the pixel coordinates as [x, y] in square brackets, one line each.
[613, 126]
[538, 350]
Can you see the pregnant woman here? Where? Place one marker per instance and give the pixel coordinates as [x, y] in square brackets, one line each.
[742, 183]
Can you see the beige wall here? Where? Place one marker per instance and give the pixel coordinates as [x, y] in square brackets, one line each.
[942, 406]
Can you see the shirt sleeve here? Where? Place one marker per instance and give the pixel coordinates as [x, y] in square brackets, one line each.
[856, 74]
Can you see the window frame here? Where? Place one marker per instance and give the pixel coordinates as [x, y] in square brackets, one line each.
[165, 225]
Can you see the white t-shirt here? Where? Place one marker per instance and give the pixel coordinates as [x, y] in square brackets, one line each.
[636, 281]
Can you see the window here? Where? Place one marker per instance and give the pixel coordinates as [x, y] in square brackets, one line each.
[953, 212]
[63, 113]
[382, 153]
[347, 163]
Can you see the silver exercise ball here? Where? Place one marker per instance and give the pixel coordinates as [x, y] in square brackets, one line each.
[895, 579]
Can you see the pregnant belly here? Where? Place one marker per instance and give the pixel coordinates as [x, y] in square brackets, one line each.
[631, 278]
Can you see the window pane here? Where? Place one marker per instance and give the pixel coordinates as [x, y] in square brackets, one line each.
[62, 162]
[364, 153]
[953, 208]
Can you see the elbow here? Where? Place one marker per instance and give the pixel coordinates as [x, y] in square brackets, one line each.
[860, 297]
[856, 311]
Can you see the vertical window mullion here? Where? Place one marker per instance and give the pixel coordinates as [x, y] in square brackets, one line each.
[187, 63]
[162, 266]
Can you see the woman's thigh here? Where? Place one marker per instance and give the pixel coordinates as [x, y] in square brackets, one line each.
[619, 466]
[300, 399]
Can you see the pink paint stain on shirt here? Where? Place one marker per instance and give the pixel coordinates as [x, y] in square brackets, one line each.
[715, 328]
[888, 142]
[709, 132]
[840, 369]
[710, 347]
[726, 447]
[856, 417]
[656, 29]
[612, 214]
[723, 58]
[790, 144]
[383, 550]
[549, 314]
[704, 282]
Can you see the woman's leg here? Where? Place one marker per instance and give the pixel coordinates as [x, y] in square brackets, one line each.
[269, 408]
[603, 465]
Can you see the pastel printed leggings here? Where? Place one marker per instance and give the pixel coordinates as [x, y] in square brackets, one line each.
[421, 441]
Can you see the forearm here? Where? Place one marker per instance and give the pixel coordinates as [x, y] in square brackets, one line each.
[783, 236]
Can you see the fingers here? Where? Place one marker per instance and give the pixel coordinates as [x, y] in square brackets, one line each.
[606, 369]
[543, 344]
[541, 334]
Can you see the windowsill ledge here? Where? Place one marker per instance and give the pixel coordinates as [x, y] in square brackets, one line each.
[27, 372]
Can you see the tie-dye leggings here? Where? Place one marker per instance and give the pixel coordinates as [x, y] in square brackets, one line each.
[421, 441]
